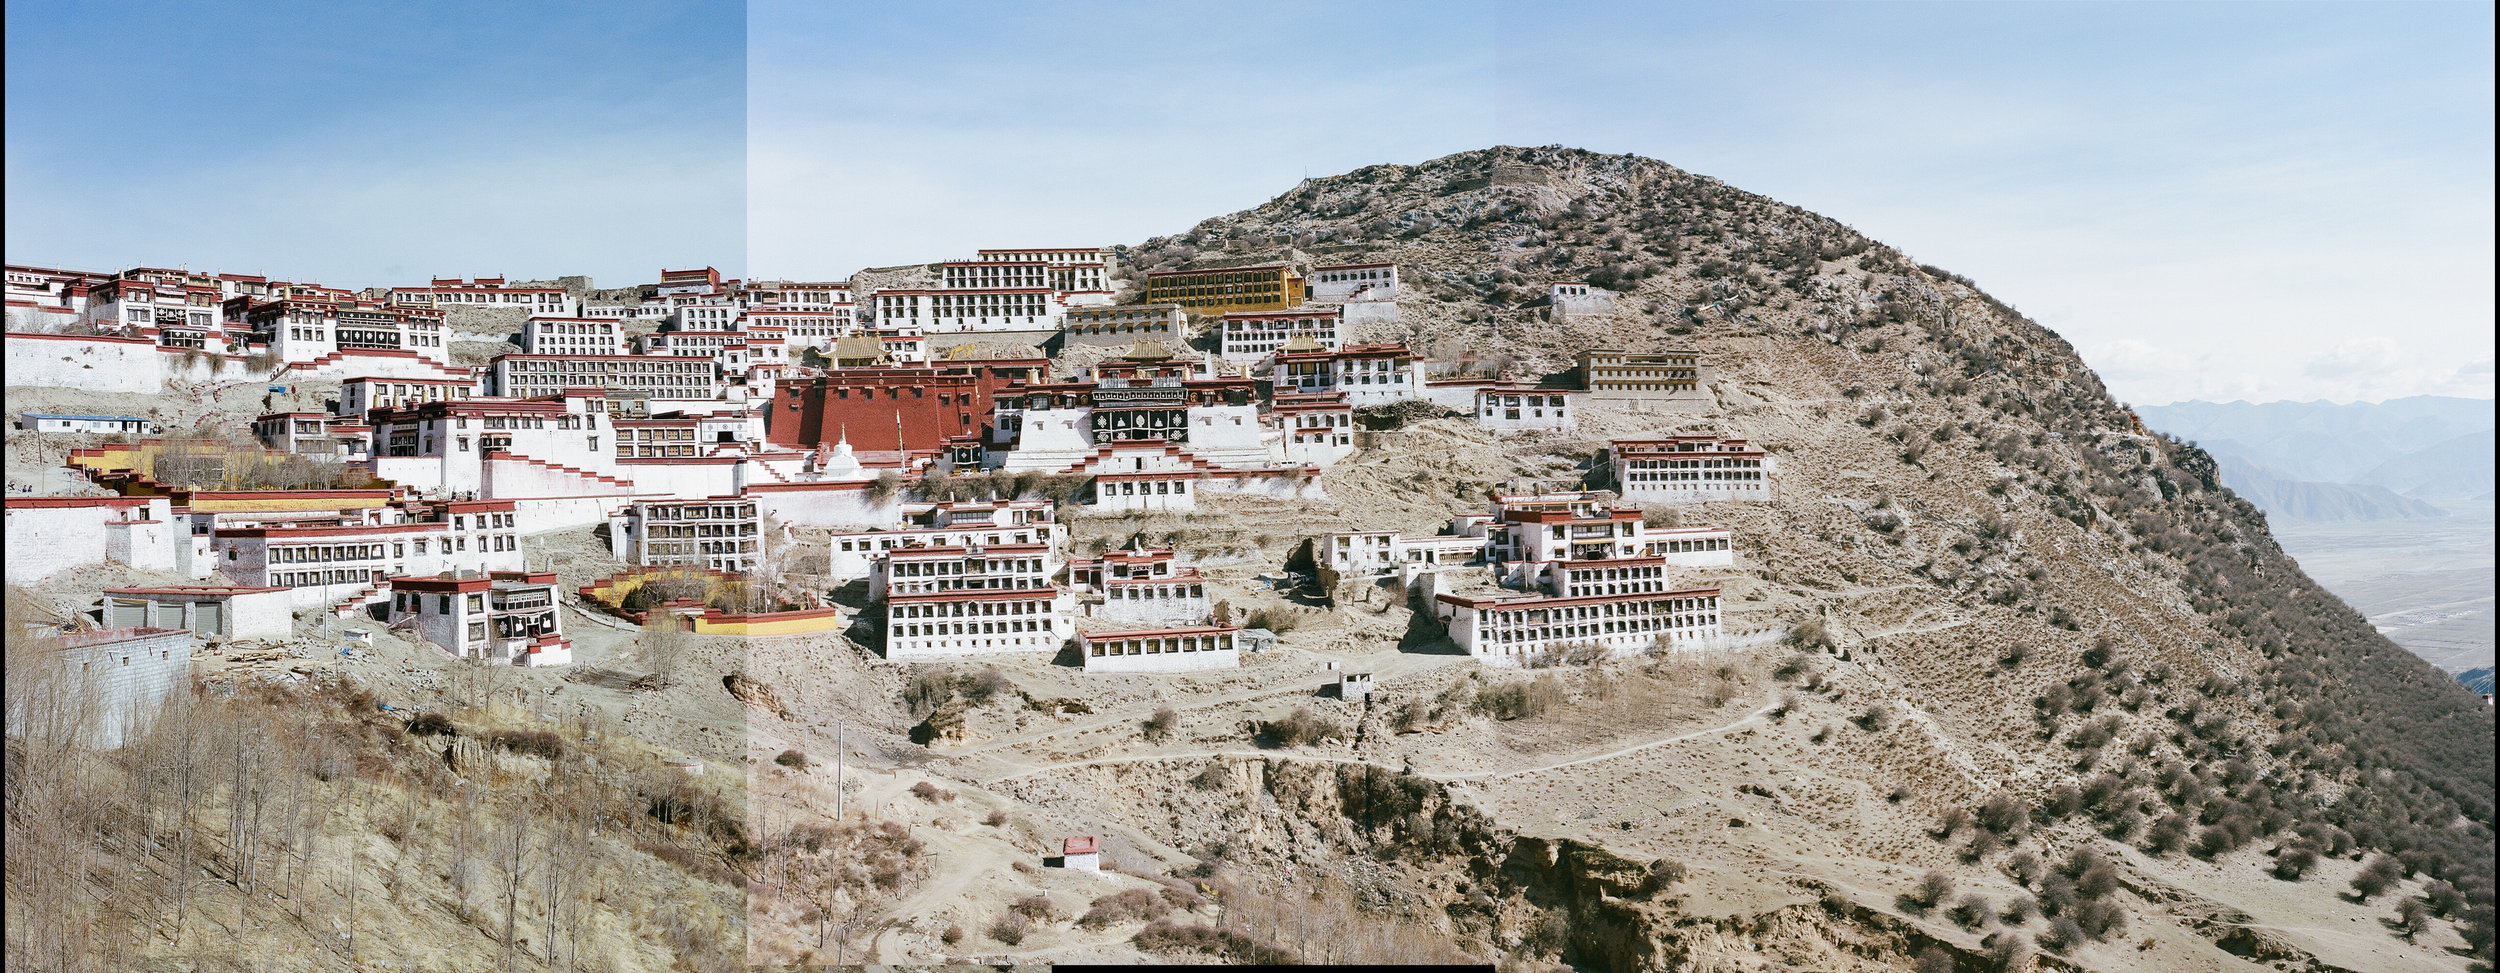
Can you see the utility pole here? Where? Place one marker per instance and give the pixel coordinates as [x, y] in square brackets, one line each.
[839, 814]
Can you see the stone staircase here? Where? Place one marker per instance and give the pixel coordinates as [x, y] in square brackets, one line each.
[1101, 453]
[372, 594]
[562, 468]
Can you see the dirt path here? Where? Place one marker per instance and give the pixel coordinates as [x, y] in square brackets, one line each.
[1754, 718]
[965, 861]
[1398, 665]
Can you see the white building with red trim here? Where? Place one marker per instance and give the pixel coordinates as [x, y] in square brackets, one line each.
[1368, 375]
[502, 616]
[1253, 336]
[930, 525]
[363, 394]
[790, 295]
[49, 535]
[175, 310]
[1685, 469]
[345, 564]
[1507, 408]
[1531, 629]
[941, 311]
[660, 377]
[1190, 649]
[1314, 428]
[1349, 283]
[487, 292]
[319, 329]
[572, 336]
[715, 533]
[1140, 585]
[565, 438]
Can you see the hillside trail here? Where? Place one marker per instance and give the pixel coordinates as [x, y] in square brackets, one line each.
[1399, 664]
[1754, 718]
[967, 860]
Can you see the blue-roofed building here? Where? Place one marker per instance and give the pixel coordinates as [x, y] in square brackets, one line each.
[41, 422]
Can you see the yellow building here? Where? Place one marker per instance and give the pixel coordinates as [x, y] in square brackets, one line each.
[1273, 287]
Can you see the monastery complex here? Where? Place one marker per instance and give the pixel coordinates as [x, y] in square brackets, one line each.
[695, 425]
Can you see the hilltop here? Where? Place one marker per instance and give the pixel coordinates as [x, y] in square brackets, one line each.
[1992, 624]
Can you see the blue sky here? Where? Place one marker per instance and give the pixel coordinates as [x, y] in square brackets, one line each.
[2217, 201]
[372, 143]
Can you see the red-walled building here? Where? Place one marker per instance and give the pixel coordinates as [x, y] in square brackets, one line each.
[914, 408]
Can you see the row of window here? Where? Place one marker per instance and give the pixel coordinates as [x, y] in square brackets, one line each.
[1160, 645]
[1614, 627]
[967, 609]
[887, 543]
[1147, 592]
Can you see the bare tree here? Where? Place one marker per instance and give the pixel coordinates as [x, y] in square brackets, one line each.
[663, 646]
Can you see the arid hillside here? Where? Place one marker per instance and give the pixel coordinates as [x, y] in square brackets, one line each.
[2011, 681]
[2008, 683]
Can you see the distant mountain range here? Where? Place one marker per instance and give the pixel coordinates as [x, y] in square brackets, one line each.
[2478, 680]
[2401, 458]
[2282, 497]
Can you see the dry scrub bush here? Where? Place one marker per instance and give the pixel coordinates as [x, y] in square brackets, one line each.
[1126, 905]
[1034, 907]
[1932, 888]
[1159, 726]
[1298, 728]
[1162, 935]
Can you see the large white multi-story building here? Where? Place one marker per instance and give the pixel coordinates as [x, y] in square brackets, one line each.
[1523, 630]
[487, 292]
[1368, 375]
[1053, 256]
[956, 275]
[572, 336]
[716, 533]
[1345, 283]
[1680, 469]
[360, 395]
[444, 446]
[500, 616]
[312, 329]
[658, 376]
[941, 311]
[1147, 398]
[172, 309]
[1250, 336]
[1160, 650]
[974, 567]
[789, 295]
[1139, 585]
[806, 327]
[325, 562]
[1604, 576]
[988, 522]
[957, 623]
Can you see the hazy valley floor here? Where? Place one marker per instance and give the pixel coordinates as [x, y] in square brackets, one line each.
[2427, 584]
